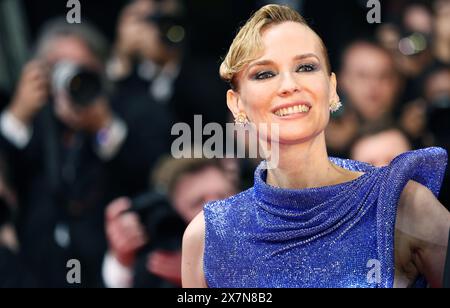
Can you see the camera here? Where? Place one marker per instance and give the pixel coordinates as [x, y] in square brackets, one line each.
[162, 223]
[165, 229]
[170, 27]
[83, 85]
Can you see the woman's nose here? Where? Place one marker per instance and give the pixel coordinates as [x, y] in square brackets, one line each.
[288, 85]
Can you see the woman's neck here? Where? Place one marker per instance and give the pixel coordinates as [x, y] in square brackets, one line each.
[306, 165]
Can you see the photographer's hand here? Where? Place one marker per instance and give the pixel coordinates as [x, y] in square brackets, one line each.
[127, 43]
[90, 118]
[166, 264]
[124, 231]
[32, 92]
[126, 47]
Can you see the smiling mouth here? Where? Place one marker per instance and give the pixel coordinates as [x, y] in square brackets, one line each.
[284, 112]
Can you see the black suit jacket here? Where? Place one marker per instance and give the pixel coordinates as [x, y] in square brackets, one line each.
[63, 189]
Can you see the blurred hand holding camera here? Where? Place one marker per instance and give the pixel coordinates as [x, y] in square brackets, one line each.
[124, 231]
[84, 108]
[129, 37]
[91, 118]
[32, 92]
[166, 264]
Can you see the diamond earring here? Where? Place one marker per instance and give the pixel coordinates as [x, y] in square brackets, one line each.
[241, 119]
[335, 106]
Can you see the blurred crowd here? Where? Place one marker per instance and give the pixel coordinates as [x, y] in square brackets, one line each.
[85, 136]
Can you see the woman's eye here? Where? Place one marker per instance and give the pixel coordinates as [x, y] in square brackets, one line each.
[302, 68]
[263, 75]
[306, 68]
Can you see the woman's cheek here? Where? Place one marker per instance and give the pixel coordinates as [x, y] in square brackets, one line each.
[258, 103]
[320, 94]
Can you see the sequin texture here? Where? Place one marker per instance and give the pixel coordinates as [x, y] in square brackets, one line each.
[315, 237]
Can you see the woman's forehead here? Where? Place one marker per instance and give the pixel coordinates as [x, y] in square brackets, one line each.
[289, 39]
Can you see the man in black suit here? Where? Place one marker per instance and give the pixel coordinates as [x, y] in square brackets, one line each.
[68, 160]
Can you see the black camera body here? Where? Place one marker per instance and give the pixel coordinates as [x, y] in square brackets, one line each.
[165, 229]
[171, 26]
[83, 85]
[162, 223]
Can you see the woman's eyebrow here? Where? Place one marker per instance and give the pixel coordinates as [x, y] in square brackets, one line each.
[299, 57]
[306, 55]
[260, 63]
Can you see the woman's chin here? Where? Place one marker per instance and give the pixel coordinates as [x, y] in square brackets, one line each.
[294, 138]
[291, 130]
[295, 121]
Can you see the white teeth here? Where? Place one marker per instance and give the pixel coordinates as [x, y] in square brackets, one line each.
[292, 110]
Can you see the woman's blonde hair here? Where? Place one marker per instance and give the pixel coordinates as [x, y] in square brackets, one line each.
[248, 43]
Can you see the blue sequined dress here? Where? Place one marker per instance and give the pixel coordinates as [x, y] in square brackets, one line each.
[333, 236]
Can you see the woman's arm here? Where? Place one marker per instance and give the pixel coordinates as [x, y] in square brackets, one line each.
[192, 256]
[426, 223]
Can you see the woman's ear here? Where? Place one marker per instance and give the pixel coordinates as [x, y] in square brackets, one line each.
[233, 102]
[334, 97]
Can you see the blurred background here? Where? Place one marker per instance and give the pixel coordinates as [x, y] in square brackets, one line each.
[87, 111]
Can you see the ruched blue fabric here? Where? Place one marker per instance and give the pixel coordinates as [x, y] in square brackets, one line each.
[333, 236]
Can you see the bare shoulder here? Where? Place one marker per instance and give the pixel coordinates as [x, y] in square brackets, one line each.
[194, 236]
[196, 229]
[421, 213]
[424, 224]
[193, 248]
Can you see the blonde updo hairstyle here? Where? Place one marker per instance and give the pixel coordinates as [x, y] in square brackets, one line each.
[247, 44]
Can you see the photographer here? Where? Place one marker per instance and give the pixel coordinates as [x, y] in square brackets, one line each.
[156, 73]
[147, 54]
[189, 183]
[66, 149]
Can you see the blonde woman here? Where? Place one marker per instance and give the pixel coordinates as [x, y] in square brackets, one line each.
[314, 220]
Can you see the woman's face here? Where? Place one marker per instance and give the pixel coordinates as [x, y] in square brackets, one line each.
[287, 85]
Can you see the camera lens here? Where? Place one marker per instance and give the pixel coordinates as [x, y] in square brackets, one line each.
[82, 85]
[171, 28]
